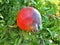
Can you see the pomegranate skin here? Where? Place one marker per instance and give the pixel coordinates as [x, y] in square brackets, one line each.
[28, 19]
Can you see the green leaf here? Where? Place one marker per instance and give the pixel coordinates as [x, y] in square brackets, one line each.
[33, 1]
[50, 32]
[1, 16]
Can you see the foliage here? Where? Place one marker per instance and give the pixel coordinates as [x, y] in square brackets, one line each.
[10, 34]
